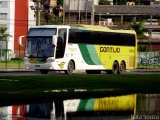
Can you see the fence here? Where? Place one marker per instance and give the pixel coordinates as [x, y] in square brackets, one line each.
[8, 60]
[146, 60]
[15, 63]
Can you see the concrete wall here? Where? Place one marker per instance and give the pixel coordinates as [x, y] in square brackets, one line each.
[149, 58]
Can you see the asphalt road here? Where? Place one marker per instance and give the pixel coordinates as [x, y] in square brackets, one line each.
[32, 72]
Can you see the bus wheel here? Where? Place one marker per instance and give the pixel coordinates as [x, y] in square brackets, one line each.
[70, 68]
[44, 71]
[122, 67]
[115, 68]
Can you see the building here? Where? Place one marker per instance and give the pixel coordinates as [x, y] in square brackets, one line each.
[17, 16]
[82, 13]
[77, 11]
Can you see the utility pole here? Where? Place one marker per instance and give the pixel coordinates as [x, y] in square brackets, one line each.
[92, 13]
[79, 11]
[86, 11]
[64, 11]
[69, 11]
[38, 4]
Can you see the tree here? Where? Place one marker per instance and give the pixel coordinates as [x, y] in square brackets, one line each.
[140, 30]
[104, 2]
[48, 16]
[60, 2]
[122, 2]
[138, 27]
[3, 37]
[119, 2]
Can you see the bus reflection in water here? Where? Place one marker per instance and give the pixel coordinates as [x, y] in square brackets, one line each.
[125, 107]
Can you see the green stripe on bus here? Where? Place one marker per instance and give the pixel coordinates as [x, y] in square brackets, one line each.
[82, 105]
[86, 105]
[85, 53]
[93, 54]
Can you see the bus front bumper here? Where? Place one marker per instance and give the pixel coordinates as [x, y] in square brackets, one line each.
[45, 66]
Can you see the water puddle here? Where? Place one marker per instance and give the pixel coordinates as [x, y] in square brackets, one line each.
[127, 107]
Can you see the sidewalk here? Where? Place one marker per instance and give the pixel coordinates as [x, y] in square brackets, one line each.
[145, 70]
[27, 70]
[15, 70]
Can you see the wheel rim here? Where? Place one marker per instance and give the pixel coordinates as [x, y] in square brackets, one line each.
[122, 67]
[115, 68]
[70, 67]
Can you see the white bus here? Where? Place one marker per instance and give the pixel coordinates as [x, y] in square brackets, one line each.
[80, 47]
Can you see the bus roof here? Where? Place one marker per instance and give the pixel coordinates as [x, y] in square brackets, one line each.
[100, 28]
[51, 26]
[86, 27]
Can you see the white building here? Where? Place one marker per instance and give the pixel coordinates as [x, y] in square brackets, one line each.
[17, 16]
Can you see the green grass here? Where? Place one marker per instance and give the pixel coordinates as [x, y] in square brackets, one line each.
[13, 64]
[27, 89]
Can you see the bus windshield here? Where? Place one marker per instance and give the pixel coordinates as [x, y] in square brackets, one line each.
[39, 47]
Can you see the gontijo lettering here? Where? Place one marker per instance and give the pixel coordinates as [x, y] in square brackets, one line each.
[110, 49]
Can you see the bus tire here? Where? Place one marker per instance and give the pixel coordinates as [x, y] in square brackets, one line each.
[70, 68]
[122, 67]
[93, 71]
[44, 71]
[115, 68]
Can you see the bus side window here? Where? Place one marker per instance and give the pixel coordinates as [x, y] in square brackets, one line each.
[72, 38]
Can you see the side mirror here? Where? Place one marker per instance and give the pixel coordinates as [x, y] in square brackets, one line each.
[20, 40]
[54, 40]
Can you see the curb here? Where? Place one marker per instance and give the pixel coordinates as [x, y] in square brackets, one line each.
[145, 70]
[26, 70]
[15, 70]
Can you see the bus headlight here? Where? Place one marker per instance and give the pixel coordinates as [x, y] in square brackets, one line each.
[49, 60]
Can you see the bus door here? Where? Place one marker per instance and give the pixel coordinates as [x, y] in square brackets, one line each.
[61, 42]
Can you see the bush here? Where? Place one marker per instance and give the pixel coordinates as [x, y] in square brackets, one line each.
[16, 59]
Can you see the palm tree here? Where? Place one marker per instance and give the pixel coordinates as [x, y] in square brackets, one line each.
[3, 37]
[140, 30]
[138, 27]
